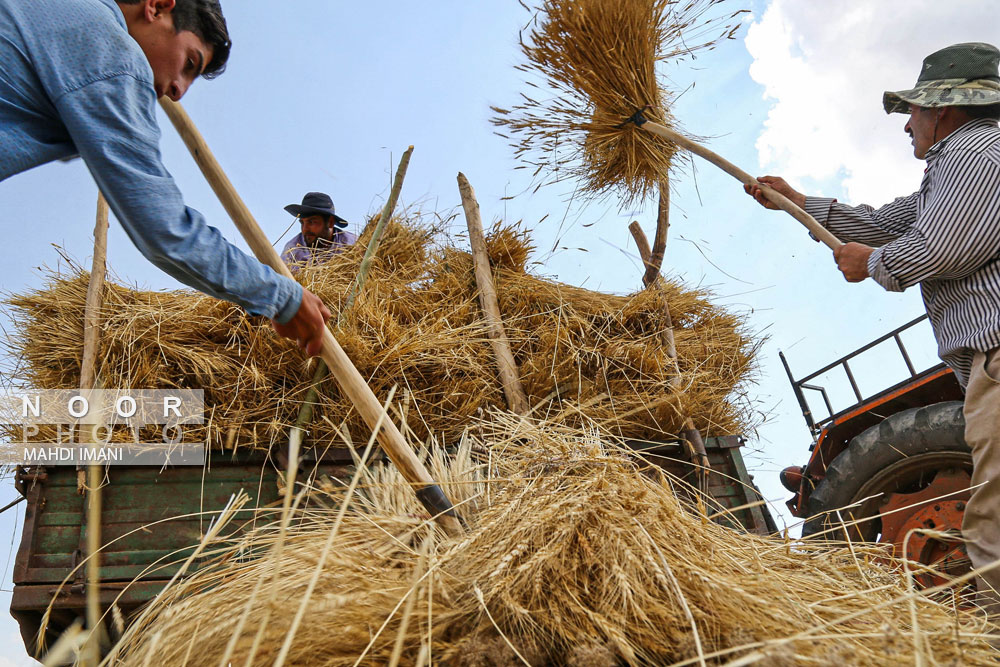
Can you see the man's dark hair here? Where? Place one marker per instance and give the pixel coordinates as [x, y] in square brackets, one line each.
[977, 111]
[204, 18]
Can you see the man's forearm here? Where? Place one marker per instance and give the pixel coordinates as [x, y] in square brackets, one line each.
[113, 125]
[864, 224]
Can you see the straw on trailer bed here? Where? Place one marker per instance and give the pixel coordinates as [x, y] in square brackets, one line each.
[582, 355]
[573, 557]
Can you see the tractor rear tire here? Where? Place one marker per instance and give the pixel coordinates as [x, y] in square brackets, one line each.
[900, 454]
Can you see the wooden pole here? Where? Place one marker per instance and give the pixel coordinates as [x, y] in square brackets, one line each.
[667, 335]
[95, 288]
[297, 433]
[383, 220]
[88, 380]
[660, 238]
[690, 433]
[509, 378]
[344, 371]
[779, 200]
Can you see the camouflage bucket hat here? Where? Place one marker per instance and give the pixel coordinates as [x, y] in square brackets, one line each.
[958, 75]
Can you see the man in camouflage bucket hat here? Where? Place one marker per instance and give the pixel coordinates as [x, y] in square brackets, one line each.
[946, 238]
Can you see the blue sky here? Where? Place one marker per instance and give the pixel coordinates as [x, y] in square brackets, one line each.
[326, 97]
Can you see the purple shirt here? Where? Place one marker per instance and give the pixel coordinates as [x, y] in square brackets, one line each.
[297, 254]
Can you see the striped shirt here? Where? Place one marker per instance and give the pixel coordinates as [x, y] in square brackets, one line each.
[945, 236]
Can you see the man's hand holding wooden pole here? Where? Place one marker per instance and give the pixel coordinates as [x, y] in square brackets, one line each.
[343, 370]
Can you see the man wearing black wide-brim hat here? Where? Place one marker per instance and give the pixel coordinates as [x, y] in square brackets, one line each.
[946, 238]
[322, 231]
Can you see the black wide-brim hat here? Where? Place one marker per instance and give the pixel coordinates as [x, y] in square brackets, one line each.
[316, 203]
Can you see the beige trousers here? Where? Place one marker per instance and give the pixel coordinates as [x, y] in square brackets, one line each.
[981, 523]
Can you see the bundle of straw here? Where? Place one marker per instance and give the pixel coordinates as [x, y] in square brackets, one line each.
[416, 325]
[572, 557]
[596, 64]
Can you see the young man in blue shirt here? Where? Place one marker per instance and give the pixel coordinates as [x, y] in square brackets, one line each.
[82, 77]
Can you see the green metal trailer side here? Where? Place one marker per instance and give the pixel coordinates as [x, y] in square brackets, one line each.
[152, 519]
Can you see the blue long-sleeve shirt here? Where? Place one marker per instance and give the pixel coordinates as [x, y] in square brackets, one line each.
[73, 82]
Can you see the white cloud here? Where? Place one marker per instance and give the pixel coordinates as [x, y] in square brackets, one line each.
[824, 66]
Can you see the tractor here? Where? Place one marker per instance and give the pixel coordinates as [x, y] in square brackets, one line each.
[889, 467]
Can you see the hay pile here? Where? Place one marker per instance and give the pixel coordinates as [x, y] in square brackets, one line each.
[583, 356]
[572, 558]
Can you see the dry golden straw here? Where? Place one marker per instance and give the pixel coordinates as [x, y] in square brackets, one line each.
[583, 356]
[595, 65]
[574, 556]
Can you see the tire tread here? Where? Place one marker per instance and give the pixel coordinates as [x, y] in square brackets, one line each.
[935, 427]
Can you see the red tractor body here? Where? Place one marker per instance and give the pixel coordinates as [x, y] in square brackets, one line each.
[888, 467]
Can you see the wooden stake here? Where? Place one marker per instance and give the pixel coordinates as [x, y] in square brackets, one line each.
[655, 262]
[691, 434]
[512, 389]
[297, 434]
[383, 220]
[779, 200]
[344, 371]
[667, 334]
[88, 380]
[95, 289]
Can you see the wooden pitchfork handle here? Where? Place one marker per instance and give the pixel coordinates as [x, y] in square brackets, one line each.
[347, 376]
[775, 197]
